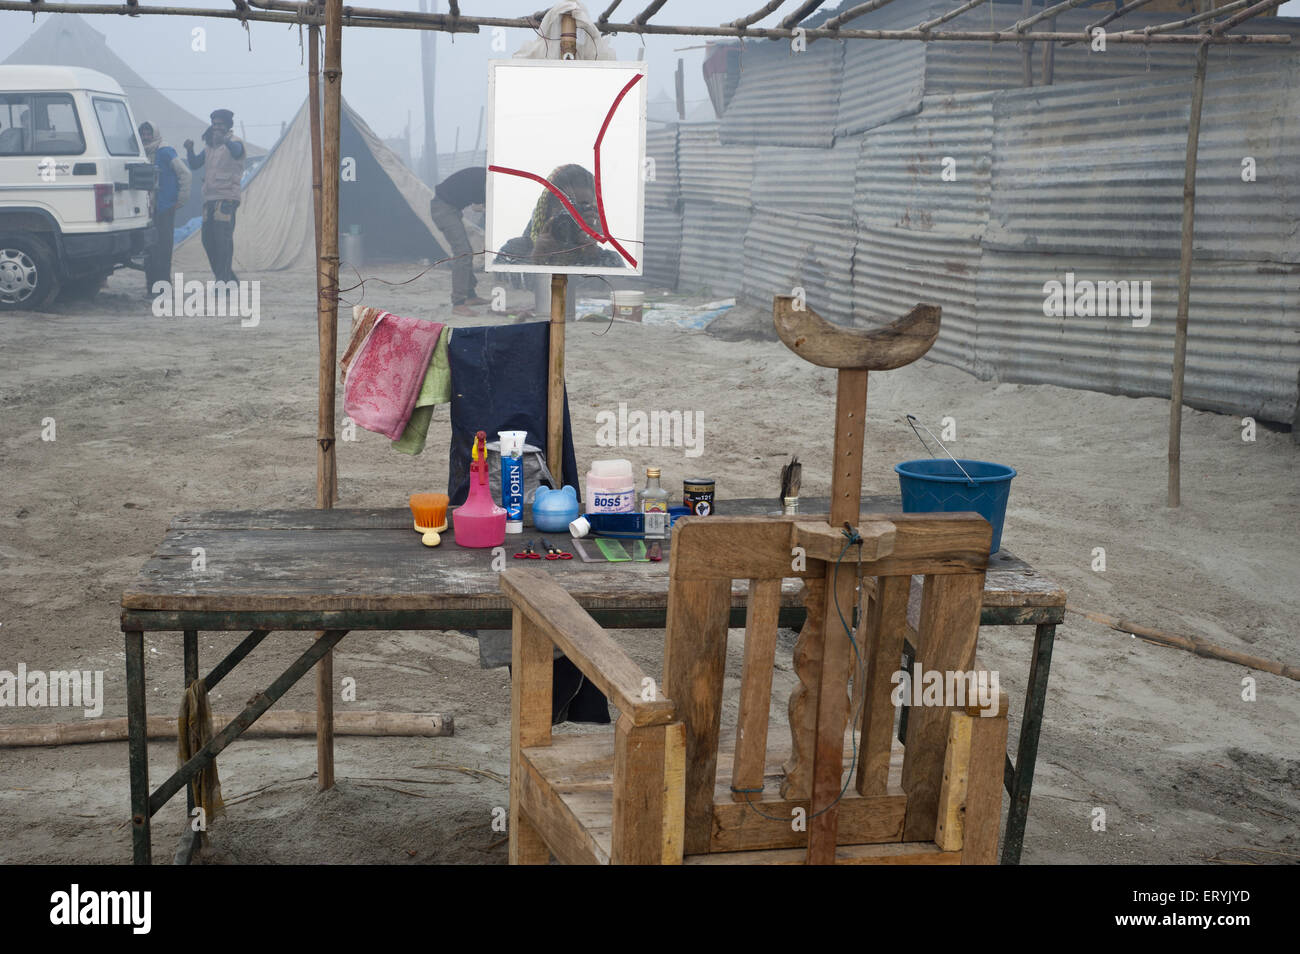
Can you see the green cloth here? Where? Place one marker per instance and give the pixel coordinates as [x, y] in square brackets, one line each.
[436, 389]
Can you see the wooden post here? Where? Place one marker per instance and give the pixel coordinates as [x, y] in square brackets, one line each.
[559, 304]
[555, 380]
[429, 73]
[1185, 280]
[313, 104]
[327, 279]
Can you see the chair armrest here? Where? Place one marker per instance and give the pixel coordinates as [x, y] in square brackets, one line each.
[566, 624]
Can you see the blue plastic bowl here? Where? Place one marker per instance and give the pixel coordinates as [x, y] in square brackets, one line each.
[938, 486]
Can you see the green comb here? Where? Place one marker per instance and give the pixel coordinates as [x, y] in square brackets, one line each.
[613, 550]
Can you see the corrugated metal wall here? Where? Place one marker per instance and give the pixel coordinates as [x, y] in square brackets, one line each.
[846, 196]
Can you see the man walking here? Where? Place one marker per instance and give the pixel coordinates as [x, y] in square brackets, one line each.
[467, 188]
[222, 162]
[173, 192]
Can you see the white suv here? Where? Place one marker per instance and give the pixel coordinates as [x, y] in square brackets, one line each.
[74, 183]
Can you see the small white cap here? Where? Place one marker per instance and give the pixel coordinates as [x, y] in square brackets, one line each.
[514, 526]
[580, 527]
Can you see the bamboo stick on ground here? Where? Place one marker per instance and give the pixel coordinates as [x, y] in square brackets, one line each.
[1193, 644]
[287, 723]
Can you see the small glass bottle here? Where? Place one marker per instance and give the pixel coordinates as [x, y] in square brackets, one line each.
[654, 506]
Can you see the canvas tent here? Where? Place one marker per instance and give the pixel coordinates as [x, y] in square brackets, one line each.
[379, 198]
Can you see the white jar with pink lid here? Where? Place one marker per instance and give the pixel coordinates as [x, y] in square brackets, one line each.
[611, 488]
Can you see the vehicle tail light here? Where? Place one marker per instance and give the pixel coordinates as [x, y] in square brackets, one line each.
[104, 202]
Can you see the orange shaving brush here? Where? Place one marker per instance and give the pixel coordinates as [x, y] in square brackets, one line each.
[430, 512]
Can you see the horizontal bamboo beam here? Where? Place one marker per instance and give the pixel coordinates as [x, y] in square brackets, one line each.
[645, 15]
[273, 723]
[1245, 15]
[270, 13]
[837, 21]
[1189, 21]
[609, 10]
[929, 25]
[1052, 11]
[1113, 15]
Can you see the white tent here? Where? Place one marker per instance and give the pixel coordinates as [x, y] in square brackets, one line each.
[379, 197]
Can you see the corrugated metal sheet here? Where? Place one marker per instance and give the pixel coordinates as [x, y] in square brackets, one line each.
[785, 98]
[812, 181]
[664, 190]
[785, 250]
[711, 172]
[969, 67]
[900, 173]
[713, 242]
[883, 79]
[1098, 167]
[1243, 341]
[895, 269]
[663, 246]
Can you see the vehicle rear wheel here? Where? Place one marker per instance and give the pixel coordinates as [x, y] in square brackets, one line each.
[28, 275]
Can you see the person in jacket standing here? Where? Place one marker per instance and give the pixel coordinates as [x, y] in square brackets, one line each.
[172, 194]
[222, 162]
[460, 190]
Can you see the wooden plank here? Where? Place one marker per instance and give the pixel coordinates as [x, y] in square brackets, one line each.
[887, 625]
[767, 823]
[566, 624]
[906, 853]
[639, 794]
[530, 725]
[802, 707]
[695, 655]
[731, 548]
[821, 541]
[846, 469]
[983, 814]
[756, 687]
[949, 628]
[673, 844]
[956, 776]
[832, 716]
[555, 377]
[552, 818]
[815, 339]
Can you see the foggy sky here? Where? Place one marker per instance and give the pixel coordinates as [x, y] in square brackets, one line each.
[266, 85]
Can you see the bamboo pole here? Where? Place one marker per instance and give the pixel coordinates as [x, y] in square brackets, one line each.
[273, 723]
[313, 104]
[952, 14]
[1027, 48]
[1197, 18]
[1185, 280]
[327, 321]
[1193, 644]
[400, 20]
[559, 304]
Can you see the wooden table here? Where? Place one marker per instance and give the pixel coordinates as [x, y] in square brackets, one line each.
[334, 571]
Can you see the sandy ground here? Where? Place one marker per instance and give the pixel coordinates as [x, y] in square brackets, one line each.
[157, 416]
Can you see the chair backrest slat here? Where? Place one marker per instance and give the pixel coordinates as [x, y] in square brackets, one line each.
[756, 687]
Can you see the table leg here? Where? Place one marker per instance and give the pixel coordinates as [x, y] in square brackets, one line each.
[1031, 724]
[325, 721]
[138, 747]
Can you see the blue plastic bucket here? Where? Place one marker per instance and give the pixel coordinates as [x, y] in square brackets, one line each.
[935, 485]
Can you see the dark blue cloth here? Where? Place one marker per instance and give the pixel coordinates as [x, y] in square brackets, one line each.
[499, 383]
[169, 187]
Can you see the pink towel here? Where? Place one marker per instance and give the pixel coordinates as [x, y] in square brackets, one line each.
[384, 379]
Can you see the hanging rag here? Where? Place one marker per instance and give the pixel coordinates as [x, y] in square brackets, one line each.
[435, 390]
[386, 373]
[363, 322]
[193, 732]
[591, 43]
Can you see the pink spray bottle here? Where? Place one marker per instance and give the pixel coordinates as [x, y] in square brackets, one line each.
[479, 522]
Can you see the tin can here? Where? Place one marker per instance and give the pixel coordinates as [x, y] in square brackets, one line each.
[697, 495]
